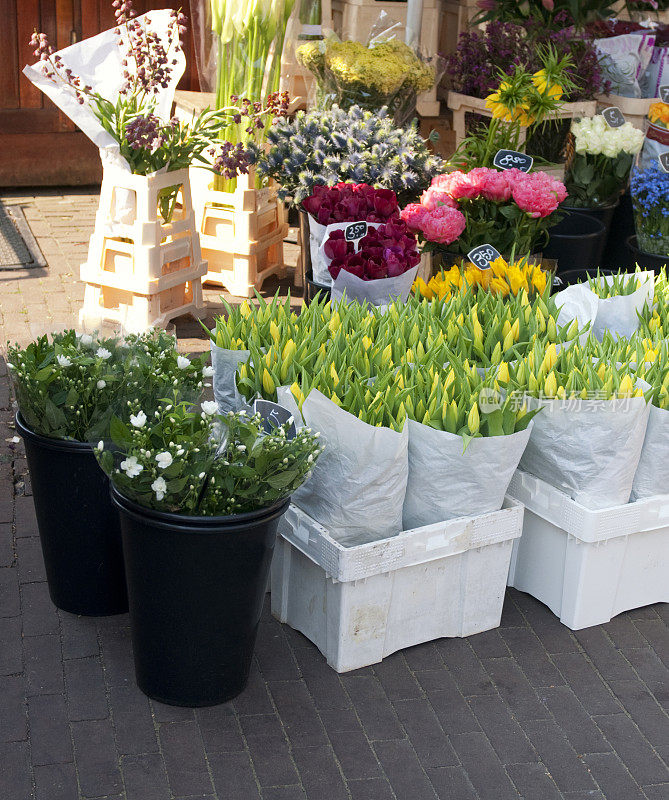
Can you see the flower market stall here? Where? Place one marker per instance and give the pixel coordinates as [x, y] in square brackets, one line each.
[439, 419]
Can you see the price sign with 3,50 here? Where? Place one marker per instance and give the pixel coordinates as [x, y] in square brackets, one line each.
[482, 255]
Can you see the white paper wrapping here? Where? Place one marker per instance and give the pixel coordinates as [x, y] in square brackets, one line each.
[225, 363]
[318, 236]
[577, 302]
[589, 450]
[445, 482]
[380, 292]
[620, 314]
[358, 485]
[652, 474]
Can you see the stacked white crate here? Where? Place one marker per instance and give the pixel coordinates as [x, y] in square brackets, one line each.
[142, 272]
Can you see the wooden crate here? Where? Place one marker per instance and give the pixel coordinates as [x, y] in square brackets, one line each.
[461, 104]
[140, 270]
[354, 19]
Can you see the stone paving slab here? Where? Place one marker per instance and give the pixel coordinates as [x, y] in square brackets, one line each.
[531, 710]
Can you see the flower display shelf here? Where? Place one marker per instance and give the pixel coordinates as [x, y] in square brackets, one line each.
[354, 19]
[461, 104]
[359, 604]
[635, 109]
[241, 232]
[242, 235]
[141, 271]
[456, 17]
[588, 566]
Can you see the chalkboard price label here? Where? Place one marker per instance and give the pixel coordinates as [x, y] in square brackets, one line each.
[482, 255]
[613, 117]
[664, 93]
[663, 158]
[274, 416]
[512, 159]
[355, 231]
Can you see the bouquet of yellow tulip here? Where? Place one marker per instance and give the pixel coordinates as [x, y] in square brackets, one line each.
[523, 102]
[502, 278]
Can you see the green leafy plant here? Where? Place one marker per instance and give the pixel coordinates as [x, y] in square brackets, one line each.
[68, 385]
[179, 458]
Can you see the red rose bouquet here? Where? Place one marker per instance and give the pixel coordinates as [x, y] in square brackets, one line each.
[509, 210]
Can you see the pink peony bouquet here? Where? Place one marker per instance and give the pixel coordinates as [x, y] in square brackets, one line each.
[385, 252]
[509, 210]
[351, 202]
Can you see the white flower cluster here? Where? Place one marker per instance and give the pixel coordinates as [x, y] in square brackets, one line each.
[594, 137]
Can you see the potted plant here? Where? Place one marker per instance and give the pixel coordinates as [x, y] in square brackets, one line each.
[199, 497]
[329, 147]
[65, 388]
[510, 210]
[598, 171]
[473, 74]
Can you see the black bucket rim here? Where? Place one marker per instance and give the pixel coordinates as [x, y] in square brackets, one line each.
[632, 244]
[601, 228]
[48, 442]
[587, 209]
[176, 523]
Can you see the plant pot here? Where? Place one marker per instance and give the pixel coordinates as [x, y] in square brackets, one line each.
[616, 255]
[604, 214]
[78, 526]
[196, 587]
[572, 276]
[311, 288]
[650, 261]
[576, 242]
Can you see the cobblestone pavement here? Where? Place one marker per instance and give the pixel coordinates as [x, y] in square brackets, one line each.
[530, 710]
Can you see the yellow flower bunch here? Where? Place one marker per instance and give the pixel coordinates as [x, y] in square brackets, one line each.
[501, 278]
[658, 114]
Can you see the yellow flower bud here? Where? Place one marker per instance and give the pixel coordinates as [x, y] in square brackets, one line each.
[550, 385]
[473, 419]
[267, 382]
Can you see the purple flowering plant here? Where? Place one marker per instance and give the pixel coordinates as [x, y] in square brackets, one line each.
[474, 68]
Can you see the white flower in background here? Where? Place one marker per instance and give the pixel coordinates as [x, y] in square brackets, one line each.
[131, 467]
[101, 384]
[64, 361]
[164, 459]
[210, 407]
[101, 445]
[183, 362]
[86, 339]
[207, 372]
[138, 420]
[593, 136]
[159, 487]
[103, 353]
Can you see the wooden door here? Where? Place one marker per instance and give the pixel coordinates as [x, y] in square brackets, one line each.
[39, 146]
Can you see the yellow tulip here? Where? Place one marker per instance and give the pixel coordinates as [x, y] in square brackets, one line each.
[473, 419]
[267, 382]
[550, 385]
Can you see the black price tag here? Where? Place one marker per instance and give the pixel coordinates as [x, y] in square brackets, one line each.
[613, 117]
[355, 230]
[274, 416]
[663, 158]
[512, 159]
[482, 255]
[664, 93]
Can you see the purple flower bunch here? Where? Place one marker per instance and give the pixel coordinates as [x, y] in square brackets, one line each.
[144, 132]
[474, 68]
[53, 66]
[385, 252]
[350, 202]
[230, 160]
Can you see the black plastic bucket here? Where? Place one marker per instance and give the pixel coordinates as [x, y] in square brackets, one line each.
[312, 289]
[576, 242]
[78, 526]
[571, 276]
[196, 587]
[650, 261]
[604, 214]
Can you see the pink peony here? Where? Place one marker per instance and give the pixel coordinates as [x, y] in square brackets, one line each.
[537, 193]
[433, 197]
[414, 215]
[443, 225]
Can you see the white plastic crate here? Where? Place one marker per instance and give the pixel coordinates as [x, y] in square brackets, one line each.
[359, 604]
[587, 566]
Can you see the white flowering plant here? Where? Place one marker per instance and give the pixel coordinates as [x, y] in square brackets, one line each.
[68, 384]
[190, 460]
[599, 168]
